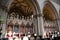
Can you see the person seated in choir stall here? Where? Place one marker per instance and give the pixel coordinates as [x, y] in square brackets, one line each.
[16, 36]
[32, 37]
[8, 34]
[25, 37]
[10, 38]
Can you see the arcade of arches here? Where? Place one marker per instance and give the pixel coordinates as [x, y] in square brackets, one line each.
[25, 17]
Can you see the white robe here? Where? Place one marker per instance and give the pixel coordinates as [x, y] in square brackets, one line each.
[25, 38]
[10, 38]
[17, 38]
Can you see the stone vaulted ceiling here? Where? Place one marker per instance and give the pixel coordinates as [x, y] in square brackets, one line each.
[23, 7]
[49, 13]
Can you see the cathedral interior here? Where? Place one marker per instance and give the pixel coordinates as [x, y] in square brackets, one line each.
[29, 16]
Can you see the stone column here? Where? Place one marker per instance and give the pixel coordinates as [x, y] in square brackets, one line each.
[59, 21]
[35, 25]
[40, 24]
[3, 16]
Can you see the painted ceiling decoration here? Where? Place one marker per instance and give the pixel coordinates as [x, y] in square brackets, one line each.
[49, 13]
[23, 7]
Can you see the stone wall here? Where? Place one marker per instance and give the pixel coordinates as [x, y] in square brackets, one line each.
[3, 15]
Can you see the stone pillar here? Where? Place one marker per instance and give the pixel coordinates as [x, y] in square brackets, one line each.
[35, 25]
[3, 16]
[40, 24]
[59, 21]
[40, 17]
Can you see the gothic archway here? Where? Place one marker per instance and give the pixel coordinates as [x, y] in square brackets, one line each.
[23, 9]
[28, 6]
[50, 17]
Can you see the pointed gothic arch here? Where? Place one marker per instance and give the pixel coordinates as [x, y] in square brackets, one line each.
[33, 3]
[36, 11]
[50, 13]
[50, 4]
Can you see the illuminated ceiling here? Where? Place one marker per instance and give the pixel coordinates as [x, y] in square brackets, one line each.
[49, 13]
[23, 7]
